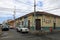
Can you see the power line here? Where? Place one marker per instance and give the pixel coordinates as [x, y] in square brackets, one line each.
[32, 6]
[23, 2]
[52, 9]
[11, 9]
[21, 11]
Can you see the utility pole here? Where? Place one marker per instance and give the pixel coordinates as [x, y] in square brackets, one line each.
[34, 12]
[14, 16]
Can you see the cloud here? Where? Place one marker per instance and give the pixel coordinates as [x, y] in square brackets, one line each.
[6, 3]
[26, 6]
[51, 4]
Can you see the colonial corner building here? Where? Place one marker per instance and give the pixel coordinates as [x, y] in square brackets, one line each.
[42, 20]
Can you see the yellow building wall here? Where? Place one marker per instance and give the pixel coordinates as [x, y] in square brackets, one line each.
[47, 21]
[49, 18]
[31, 20]
[57, 22]
[20, 21]
[44, 19]
[43, 24]
[23, 22]
[16, 21]
[39, 17]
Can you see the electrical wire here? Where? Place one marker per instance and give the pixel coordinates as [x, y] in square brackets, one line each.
[23, 2]
[52, 9]
[32, 6]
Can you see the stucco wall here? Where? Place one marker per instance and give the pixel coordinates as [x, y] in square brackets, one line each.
[46, 21]
[57, 22]
[31, 20]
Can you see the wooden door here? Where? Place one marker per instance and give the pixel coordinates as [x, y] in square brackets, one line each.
[29, 24]
[38, 24]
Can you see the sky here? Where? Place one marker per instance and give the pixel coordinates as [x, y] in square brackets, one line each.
[23, 7]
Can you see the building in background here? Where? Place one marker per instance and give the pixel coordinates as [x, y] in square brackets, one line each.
[11, 23]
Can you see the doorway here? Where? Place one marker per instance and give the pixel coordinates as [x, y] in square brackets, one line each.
[28, 24]
[54, 25]
[38, 24]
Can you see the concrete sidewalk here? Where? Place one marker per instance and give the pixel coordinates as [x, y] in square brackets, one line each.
[43, 32]
[38, 33]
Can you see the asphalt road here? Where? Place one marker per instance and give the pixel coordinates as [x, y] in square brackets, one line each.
[13, 35]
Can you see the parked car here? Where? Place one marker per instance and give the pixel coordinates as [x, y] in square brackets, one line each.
[5, 28]
[22, 29]
[17, 28]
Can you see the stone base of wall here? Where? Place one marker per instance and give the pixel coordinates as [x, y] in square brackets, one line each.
[32, 28]
[47, 29]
